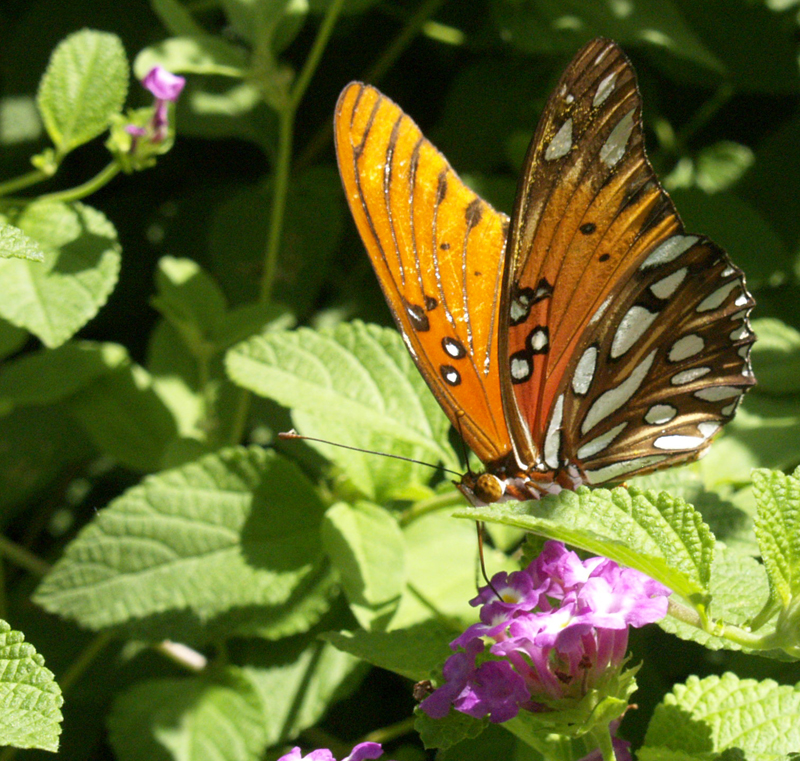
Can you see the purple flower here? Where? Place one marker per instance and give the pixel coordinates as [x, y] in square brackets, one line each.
[165, 87]
[554, 631]
[163, 84]
[360, 752]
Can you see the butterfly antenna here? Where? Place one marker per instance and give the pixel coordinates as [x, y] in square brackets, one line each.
[288, 435]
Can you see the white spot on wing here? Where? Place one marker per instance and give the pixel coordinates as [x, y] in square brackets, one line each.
[718, 297]
[686, 347]
[538, 339]
[678, 442]
[630, 329]
[520, 368]
[659, 414]
[614, 148]
[570, 98]
[740, 333]
[741, 301]
[687, 376]
[665, 287]
[730, 408]
[619, 469]
[517, 311]
[708, 429]
[669, 250]
[600, 443]
[561, 142]
[552, 441]
[614, 398]
[584, 371]
[599, 313]
[718, 393]
[604, 89]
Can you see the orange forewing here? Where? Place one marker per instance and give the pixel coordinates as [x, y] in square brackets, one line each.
[438, 252]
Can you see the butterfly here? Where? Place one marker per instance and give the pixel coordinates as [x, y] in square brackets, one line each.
[588, 338]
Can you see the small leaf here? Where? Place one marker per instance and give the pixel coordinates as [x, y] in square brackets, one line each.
[778, 532]
[82, 259]
[415, 653]
[237, 528]
[84, 86]
[446, 732]
[776, 357]
[30, 699]
[356, 386]
[298, 681]
[366, 546]
[653, 532]
[192, 55]
[719, 166]
[14, 244]
[49, 375]
[715, 714]
[218, 717]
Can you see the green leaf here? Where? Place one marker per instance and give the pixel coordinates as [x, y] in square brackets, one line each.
[776, 357]
[11, 339]
[82, 259]
[237, 528]
[719, 166]
[739, 589]
[248, 319]
[542, 26]
[84, 86]
[49, 375]
[495, 742]
[176, 18]
[14, 244]
[655, 533]
[767, 430]
[711, 715]
[219, 716]
[416, 653]
[366, 546]
[777, 530]
[446, 732]
[298, 680]
[30, 699]
[124, 416]
[356, 386]
[193, 55]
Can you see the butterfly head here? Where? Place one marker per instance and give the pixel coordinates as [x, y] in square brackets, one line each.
[481, 488]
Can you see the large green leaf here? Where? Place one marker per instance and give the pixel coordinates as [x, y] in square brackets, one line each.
[30, 699]
[236, 529]
[55, 299]
[84, 86]
[776, 358]
[14, 244]
[355, 386]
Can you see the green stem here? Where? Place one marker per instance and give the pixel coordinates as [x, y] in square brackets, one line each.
[393, 731]
[705, 114]
[22, 557]
[84, 660]
[87, 188]
[22, 182]
[425, 506]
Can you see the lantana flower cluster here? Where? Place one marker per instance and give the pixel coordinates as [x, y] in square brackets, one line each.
[551, 632]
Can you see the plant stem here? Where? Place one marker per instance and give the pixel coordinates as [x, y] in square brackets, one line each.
[386, 734]
[87, 188]
[22, 557]
[705, 113]
[425, 506]
[22, 182]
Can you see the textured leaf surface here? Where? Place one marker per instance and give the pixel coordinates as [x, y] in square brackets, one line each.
[356, 386]
[367, 547]
[14, 244]
[711, 715]
[776, 357]
[84, 86]
[778, 530]
[55, 299]
[30, 699]
[219, 719]
[655, 533]
[237, 528]
[446, 732]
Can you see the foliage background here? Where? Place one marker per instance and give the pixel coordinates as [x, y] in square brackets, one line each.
[720, 87]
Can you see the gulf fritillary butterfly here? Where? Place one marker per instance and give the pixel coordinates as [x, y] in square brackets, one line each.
[587, 339]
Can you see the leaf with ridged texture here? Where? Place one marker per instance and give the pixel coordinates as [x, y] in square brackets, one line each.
[776, 357]
[705, 717]
[778, 532]
[54, 299]
[739, 590]
[297, 681]
[653, 532]
[84, 86]
[30, 698]
[414, 652]
[366, 546]
[236, 529]
[216, 718]
[14, 244]
[357, 386]
[446, 732]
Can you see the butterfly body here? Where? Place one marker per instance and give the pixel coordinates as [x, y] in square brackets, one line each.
[585, 339]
